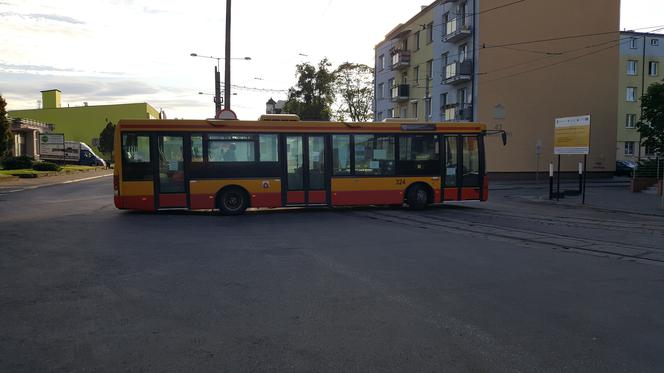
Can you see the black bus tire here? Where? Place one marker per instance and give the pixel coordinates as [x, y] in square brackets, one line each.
[417, 197]
[232, 201]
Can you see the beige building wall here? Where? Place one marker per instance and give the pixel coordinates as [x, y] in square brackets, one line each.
[415, 75]
[518, 94]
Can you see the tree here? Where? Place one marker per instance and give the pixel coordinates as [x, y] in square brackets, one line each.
[651, 125]
[354, 84]
[106, 139]
[312, 97]
[5, 127]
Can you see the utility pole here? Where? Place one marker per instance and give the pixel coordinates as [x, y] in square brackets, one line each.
[217, 90]
[227, 75]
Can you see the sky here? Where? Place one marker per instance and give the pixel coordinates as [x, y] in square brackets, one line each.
[125, 51]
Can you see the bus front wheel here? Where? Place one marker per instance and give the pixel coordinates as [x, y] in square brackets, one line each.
[232, 201]
[417, 197]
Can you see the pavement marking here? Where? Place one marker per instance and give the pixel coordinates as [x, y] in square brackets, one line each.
[2, 192]
[84, 179]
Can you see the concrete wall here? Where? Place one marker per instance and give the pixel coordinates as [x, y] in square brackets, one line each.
[533, 96]
[85, 123]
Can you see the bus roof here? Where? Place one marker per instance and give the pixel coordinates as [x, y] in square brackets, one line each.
[293, 126]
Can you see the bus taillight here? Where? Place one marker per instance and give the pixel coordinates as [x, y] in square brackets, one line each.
[116, 185]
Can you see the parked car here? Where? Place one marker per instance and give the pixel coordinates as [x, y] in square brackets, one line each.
[625, 168]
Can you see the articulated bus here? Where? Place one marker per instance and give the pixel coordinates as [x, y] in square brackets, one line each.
[280, 161]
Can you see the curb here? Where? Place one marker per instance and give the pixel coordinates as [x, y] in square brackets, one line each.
[587, 206]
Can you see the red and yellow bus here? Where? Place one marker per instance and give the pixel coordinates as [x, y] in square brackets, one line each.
[281, 161]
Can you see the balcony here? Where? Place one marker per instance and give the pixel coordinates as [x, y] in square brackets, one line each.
[458, 72]
[456, 31]
[458, 112]
[400, 59]
[400, 93]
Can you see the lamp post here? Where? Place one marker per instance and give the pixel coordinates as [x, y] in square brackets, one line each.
[217, 80]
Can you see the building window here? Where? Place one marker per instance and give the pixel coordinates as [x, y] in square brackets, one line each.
[429, 69]
[430, 32]
[630, 121]
[631, 94]
[463, 52]
[379, 116]
[417, 40]
[632, 43]
[416, 72]
[443, 65]
[654, 42]
[443, 104]
[653, 68]
[631, 67]
[413, 106]
[450, 113]
[390, 113]
[462, 13]
[381, 91]
[381, 62]
[404, 112]
[629, 147]
[446, 18]
[427, 108]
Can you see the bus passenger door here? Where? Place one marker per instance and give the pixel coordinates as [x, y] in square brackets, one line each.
[306, 176]
[462, 167]
[451, 161]
[170, 182]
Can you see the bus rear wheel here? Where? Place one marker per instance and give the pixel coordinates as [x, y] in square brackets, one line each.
[417, 197]
[232, 201]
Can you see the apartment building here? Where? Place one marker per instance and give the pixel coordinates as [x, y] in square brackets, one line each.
[515, 66]
[641, 57]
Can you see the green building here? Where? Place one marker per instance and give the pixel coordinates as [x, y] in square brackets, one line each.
[83, 123]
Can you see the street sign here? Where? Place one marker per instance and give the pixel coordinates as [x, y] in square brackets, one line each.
[572, 135]
[226, 114]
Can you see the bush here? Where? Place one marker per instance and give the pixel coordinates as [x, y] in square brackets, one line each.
[46, 166]
[648, 168]
[17, 163]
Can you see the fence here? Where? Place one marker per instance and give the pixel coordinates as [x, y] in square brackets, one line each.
[648, 176]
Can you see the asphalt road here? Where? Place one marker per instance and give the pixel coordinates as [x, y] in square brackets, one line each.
[504, 286]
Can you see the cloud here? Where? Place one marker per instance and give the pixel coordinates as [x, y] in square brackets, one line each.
[76, 88]
[28, 68]
[41, 16]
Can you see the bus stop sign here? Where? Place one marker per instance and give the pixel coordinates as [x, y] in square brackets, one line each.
[226, 114]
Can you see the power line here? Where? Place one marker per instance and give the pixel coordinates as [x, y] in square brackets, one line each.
[548, 53]
[552, 64]
[619, 43]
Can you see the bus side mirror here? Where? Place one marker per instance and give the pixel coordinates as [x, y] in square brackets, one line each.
[503, 135]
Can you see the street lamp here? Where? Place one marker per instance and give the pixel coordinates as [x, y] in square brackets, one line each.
[217, 79]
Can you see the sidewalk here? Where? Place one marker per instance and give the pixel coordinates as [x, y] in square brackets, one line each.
[612, 198]
[14, 184]
[565, 184]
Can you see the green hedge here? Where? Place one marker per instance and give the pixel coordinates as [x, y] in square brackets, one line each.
[17, 163]
[46, 166]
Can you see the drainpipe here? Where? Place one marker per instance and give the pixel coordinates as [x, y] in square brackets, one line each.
[473, 81]
[643, 88]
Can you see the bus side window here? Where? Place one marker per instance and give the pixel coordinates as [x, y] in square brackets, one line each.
[197, 148]
[451, 156]
[471, 162]
[136, 156]
[268, 145]
[341, 155]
